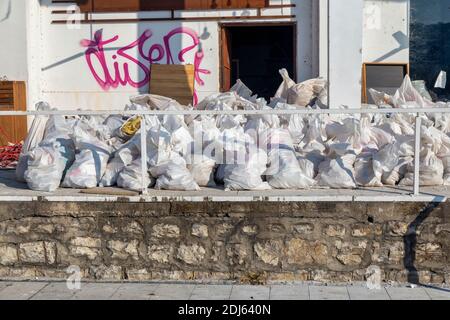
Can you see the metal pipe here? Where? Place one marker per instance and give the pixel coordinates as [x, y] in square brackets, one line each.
[417, 144]
[144, 169]
[225, 112]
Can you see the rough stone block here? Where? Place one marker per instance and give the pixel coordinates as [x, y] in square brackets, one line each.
[160, 253]
[302, 252]
[8, 254]
[32, 252]
[192, 255]
[200, 230]
[335, 230]
[270, 252]
[166, 231]
[123, 250]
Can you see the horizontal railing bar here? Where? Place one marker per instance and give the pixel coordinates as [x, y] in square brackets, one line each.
[225, 112]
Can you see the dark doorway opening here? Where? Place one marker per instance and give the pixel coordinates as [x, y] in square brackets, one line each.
[254, 54]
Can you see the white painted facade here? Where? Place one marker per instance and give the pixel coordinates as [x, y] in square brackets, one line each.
[53, 58]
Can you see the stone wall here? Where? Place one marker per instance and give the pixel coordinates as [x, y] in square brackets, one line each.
[251, 242]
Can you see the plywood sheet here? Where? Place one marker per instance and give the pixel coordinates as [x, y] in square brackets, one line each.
[173, 81]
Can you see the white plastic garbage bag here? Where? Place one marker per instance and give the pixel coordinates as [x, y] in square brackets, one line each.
[307, 166]
[288, 83]
[122, 158]
[385, 160]
[431, 170]
[204, 131]
[91, 161]
[441, 81]
[56, 152]
[284, 171]
[248, 175]
[174, 175]
[45, 167]
[364, 171]
[337, 173]
[202, 170]
[113, 169]
[182, 141]
[242, 90]
[131, 177]
[87, 170]
[34, 137]
[301, 94]
[393, 177]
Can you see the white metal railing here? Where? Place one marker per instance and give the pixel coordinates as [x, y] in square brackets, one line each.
[416, 111]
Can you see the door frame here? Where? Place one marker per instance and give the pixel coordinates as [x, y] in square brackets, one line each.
[225, 25]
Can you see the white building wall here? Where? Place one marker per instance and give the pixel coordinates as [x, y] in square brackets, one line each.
[13, 35]
[53, 62]
[68, 81]
[386, 31]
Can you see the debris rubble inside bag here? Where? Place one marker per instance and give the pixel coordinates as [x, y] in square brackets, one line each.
[241, 152]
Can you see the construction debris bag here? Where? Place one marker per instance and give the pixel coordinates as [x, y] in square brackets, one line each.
[56, 152]
[45, 167]
[394, 176]
[385, 160]
[284, 171]
[174, 175]
[202, 170]
[130, 177]
[307, 166]
[431, 170]
[34, 137]
[302, 94]
[337, 173]
[364, 171]
[288, 83]
[247, 176]
[91, 161]
[122, 158]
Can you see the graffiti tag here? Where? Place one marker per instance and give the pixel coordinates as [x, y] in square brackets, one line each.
[111, 76]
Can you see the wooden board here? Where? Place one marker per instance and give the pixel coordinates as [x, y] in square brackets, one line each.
[173, 81]
[384, 77]
[156, 5]
[12, 98]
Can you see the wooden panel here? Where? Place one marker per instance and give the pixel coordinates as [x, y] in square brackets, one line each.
[225, 71]
[137, 5]
[84, 5]
[13, 98]
[173, 81]
[20, 104]
[154, 5]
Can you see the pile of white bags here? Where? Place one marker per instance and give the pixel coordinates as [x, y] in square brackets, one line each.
[241, 152]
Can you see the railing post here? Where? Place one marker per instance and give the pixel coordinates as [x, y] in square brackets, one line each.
[417, 143]
[144, 165]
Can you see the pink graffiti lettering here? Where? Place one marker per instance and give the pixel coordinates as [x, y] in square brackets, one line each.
[120, 75]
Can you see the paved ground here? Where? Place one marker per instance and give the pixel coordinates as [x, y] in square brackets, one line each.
[11, 190]
[162, 291]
